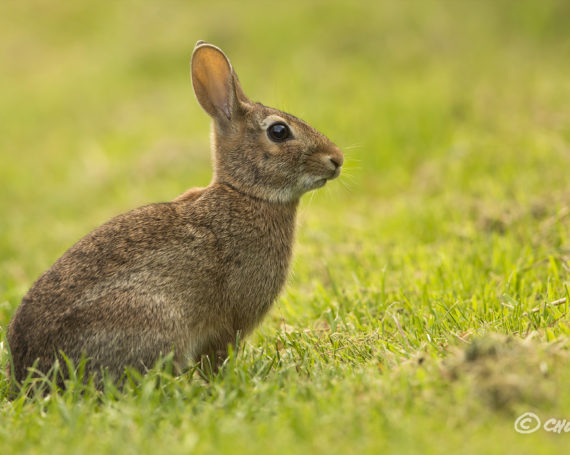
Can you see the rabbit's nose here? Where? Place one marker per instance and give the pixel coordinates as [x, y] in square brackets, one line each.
[335, 162]
[335, 157]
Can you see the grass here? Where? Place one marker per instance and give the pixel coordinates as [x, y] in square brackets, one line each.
[426, 307]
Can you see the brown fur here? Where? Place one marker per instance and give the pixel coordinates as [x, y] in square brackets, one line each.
[185, 276]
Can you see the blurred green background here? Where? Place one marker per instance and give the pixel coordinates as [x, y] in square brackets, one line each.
[466, 101]
[454, 201]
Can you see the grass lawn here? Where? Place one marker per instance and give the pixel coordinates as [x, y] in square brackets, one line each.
[428, 302]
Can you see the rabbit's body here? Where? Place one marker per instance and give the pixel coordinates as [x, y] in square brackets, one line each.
[189, 275]
[127, 293]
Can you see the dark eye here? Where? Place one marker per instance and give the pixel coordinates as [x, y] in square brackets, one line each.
[278, 132]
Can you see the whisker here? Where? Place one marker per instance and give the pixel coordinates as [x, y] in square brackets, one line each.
[346, 186]
[312, 195]
[351, 147]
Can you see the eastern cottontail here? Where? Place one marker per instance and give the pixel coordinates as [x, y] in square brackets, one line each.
[184, 276]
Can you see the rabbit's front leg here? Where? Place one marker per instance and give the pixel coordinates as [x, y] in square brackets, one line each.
[211, 363]
[213, 354]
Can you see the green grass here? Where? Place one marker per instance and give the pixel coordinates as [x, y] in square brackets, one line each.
[424, 312]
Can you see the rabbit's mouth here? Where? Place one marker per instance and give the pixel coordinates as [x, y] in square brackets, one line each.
[333, 175]
[320, 182]
[312, 183]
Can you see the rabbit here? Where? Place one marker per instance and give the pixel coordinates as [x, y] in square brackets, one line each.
[188, 277]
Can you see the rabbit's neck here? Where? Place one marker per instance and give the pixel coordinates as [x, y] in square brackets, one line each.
[252, 195]
[248, 182]
[281, 213]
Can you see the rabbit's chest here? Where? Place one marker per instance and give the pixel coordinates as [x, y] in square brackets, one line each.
[257, 269]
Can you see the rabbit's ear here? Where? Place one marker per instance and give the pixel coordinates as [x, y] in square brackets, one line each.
[239, 91]
[216, 86]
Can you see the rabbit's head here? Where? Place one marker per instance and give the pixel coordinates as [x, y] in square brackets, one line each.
[259, 150]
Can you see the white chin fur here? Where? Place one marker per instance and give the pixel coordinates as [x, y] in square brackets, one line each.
[307, 183]
[312, 183]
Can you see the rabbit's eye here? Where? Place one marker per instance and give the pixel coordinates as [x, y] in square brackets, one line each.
[278, 132]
